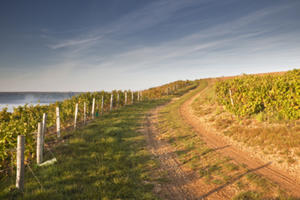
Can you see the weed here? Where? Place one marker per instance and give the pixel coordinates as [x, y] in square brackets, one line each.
[248, 195]
[240, 185]
[231, 166]
[291, 160]
[218, 181]
[227, 178]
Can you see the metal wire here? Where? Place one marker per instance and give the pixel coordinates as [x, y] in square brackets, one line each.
[36, 178]
[48, 149]
[6, 169]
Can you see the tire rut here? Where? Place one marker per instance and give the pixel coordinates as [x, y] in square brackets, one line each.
[182, 184]
[283, 179]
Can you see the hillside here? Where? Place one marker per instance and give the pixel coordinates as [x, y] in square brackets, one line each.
[179, 142]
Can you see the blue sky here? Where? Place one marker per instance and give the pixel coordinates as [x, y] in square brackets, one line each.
[136, 44]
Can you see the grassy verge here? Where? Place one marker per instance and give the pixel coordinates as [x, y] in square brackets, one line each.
[107, 159]
[277, 139]
[214, 169]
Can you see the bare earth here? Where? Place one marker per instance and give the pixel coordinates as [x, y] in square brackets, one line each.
[186, 184]
[283, 179]
[182, 184]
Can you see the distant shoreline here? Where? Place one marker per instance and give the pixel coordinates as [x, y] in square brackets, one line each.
[10, 100]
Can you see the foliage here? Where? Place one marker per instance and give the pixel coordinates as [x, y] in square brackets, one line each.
[24, 119]
[248, 195]
[107, 159]
[167, 89]
[276, 95]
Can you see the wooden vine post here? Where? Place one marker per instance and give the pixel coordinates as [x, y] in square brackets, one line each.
[102, 104]
[93, 108]
[20, 162]
[230, 94]
[125, 98]
[111, 101]
[39, 144]
[138, 97]
[44, 127]
[57, 122]
[75, 117]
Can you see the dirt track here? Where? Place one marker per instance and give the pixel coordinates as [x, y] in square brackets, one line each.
[183, 184]
[283, 179]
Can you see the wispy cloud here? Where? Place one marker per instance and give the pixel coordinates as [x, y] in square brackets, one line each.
[75, 42]
[107, 56]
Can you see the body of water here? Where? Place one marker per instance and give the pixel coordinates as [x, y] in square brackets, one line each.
[15, 99]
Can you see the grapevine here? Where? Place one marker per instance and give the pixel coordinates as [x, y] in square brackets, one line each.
[277, 95]
[24, 119]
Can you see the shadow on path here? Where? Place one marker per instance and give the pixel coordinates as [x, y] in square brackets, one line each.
[232, 181]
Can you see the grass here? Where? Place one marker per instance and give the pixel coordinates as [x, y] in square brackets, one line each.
[249, 195]
[107, 159]
[215, 169]
[272, 137]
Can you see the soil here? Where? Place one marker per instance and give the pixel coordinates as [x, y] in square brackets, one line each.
[182, 183]
[214, 140]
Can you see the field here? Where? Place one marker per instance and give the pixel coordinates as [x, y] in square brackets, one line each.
[24, 119]
[263, 125]
[219, 138]
[105, 160]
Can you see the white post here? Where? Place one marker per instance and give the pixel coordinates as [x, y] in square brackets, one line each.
[118, 99]
[111, 102]
[102, 104]
[20, 162]
[44, 126]
[125, 98]
[57, 122]
[44, 122]
[138, 97]
[231, 97]
[93, 109]
[84, 112]
[75, 118]
[39, 144]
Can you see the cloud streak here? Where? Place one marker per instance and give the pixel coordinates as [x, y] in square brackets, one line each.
[139, 49]
[75, 42]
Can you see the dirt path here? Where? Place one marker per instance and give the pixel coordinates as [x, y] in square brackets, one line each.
[283, 179]
[182, 184]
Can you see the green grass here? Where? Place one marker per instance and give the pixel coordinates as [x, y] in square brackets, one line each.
[212, 167]
[249, 195]
[107, 159]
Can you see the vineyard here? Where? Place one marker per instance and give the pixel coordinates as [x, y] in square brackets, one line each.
[272, 96]
[101, 147]
[24, 119]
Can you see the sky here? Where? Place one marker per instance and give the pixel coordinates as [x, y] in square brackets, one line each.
[76, 45]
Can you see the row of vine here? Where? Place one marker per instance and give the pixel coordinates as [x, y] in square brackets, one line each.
[24, 119]
[276, 95]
